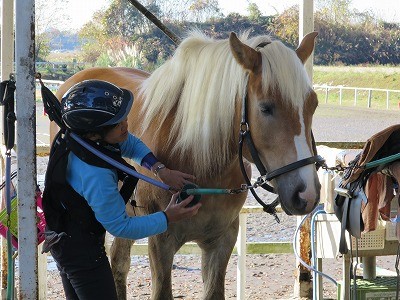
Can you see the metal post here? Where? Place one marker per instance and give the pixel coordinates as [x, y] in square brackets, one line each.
[340, 95]
[241, 250]
[303, 286]
[345, 287]
[369, 98]
[369, 267]
[26, 147]
[326, 95]
[355, 96]
[7, 60]
[387, 100]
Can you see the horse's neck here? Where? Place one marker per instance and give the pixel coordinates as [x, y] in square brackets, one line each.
[218, 174]
[160, 140]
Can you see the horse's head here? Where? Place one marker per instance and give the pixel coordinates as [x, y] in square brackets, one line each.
[280, 107]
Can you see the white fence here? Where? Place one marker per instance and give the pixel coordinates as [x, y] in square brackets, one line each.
[52, 85]
[390, 94]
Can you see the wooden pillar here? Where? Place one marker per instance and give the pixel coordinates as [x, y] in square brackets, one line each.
[303, 282]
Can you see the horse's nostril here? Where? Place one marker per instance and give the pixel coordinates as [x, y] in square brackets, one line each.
[300, 204]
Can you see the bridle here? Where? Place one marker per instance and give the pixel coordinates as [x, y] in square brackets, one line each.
[245, 136]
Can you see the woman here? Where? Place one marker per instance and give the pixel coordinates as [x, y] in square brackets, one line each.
[81, 197]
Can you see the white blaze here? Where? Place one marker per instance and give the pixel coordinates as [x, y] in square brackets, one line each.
[303, 151]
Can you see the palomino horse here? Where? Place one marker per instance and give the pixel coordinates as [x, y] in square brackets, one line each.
[188, 112]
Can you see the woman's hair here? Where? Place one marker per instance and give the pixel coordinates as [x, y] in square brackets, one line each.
[102, 131]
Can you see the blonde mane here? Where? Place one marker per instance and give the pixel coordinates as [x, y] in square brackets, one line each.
[202, 85]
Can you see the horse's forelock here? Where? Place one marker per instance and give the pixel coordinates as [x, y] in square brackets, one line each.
[284, 70]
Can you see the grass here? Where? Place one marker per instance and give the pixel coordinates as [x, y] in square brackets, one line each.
[383, 77]
[67, 56]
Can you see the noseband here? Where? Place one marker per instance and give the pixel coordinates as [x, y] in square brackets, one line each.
[245, 136]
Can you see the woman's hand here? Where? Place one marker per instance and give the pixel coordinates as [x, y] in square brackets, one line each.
[175, 179]
[178, 211]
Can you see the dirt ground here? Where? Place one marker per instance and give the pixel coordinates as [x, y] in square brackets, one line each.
[268, 276]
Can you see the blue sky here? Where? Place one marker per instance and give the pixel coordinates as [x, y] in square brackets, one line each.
[82, 11]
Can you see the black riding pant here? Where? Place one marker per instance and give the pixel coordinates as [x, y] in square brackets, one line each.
[83, 264]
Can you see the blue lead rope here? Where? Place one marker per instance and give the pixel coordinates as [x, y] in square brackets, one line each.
[127, 170]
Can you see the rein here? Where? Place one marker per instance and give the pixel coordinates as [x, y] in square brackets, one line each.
[245, 136]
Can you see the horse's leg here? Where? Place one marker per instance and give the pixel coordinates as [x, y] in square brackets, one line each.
[214, 261]
[120, 254]
[162, 248]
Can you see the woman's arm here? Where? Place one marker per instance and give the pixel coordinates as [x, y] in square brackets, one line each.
[135, 149]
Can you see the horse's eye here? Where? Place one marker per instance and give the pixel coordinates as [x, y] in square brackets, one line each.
[267, 109]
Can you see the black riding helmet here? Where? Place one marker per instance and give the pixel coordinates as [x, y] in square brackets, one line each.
[92, 104]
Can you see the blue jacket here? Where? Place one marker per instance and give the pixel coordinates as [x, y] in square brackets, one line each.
[99, 186]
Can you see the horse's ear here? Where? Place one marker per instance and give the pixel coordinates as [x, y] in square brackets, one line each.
[246, 56]
[306, 46]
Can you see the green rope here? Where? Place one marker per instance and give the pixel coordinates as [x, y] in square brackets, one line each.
[199, 191]
[382, 161]
[10, 268]
[207, 191]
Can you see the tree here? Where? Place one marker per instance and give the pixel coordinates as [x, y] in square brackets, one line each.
[286, 26]
[45, 10]
[203, 10]
[254, 12]
[187, 10]
[123, 19]
[336, 11]
[112, 37]
[93, 37]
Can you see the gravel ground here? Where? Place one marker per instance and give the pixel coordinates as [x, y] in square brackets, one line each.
[269, 276]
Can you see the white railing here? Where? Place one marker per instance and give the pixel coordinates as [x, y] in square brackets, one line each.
[357, 90]
[52, 85]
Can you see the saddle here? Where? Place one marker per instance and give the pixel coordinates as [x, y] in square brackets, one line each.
[353, 205]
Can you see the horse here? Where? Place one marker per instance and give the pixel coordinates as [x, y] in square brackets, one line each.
[190, 112]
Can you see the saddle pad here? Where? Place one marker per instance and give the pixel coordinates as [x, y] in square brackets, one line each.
[370, 149]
